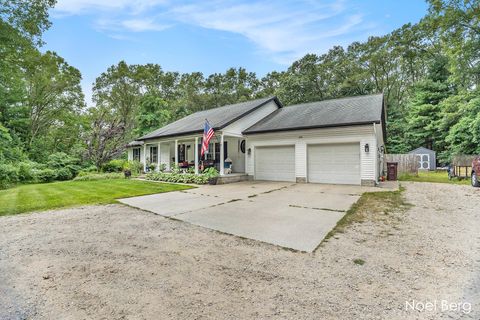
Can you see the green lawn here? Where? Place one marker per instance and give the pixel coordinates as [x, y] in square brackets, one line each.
[35, 197]
[432, 176]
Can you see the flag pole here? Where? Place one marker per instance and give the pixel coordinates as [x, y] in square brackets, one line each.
[216, 138]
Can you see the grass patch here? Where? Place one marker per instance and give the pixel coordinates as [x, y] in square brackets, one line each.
[360, 262]
[38, 197]
[432, 176]
[373, 205]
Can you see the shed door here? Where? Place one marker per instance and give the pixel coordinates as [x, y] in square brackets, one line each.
[275, 163]
[423, 161]
[334, 163]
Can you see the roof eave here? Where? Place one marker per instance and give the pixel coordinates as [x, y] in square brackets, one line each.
[246, 132]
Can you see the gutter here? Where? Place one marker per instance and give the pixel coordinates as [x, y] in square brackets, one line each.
[246, 132]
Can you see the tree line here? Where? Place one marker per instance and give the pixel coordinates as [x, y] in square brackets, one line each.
[429, 73]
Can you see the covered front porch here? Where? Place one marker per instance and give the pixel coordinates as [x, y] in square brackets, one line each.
[226, 153]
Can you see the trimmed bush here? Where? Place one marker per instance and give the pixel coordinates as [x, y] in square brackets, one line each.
[45, 175]
[135, 167]
[64, 174]
[26, 171]
[115, 165]
[61, 160]
[99, 176]
[8, 175]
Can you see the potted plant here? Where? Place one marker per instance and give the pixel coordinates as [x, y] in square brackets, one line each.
[151, 167]
[212, 175]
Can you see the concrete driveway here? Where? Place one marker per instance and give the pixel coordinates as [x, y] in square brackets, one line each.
[296, 216]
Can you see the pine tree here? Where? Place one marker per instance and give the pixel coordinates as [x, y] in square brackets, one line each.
[424, 109]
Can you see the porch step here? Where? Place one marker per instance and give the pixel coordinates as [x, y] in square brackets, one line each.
[231, 178]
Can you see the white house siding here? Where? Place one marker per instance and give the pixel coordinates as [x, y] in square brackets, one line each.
[250, 119]
[301, 138]
[130, 154]
[235, 154]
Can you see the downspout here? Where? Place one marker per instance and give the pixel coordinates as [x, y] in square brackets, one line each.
[379, 165]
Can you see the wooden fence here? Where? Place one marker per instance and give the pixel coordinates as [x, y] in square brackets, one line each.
[407, 163]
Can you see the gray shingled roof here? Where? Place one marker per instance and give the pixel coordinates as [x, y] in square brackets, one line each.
[327, 113]
[218, 118]
[135, 143]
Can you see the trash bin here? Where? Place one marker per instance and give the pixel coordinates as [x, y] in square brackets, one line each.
[392, 171]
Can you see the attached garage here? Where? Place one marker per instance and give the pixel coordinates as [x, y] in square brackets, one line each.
[334, 163]
[275, 163]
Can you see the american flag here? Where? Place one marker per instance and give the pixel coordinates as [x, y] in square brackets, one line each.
[207, 135]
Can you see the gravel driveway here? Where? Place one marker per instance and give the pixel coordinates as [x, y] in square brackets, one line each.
[116, 262]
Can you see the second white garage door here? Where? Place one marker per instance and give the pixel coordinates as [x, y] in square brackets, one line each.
[275, 163]
[334, 163]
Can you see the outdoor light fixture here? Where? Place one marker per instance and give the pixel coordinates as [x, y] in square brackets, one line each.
[249, 151]
[367, 148]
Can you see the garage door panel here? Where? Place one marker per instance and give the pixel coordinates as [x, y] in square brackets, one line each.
[334, 163]
[275, 163]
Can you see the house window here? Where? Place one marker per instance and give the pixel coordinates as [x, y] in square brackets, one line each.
[217, 151]
[209, 154]
[181, 153]
[153, 154]
[136, 154]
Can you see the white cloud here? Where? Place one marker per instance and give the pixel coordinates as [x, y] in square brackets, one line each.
[132, 25]
[286, 30]
[66, 7]
[138, 25]
[283, 30]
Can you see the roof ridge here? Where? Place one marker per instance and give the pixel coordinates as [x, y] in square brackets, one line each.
[232, 104]
[335, 99]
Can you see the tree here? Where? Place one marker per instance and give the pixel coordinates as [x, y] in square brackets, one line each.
[153, 114]
[425, 115]
[53, 93]
[29, 17]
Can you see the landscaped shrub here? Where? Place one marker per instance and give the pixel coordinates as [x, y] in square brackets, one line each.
[45, 175]
[135, 167]
[115, 165]
[8, 175]
[64, 174]
[210, 172]
[178, 177]
[61, 160]
[99, 176]
[26, 171]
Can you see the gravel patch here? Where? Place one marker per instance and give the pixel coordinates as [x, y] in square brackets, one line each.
[117, 262]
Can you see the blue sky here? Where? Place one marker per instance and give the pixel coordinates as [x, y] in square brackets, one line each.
[211, 36]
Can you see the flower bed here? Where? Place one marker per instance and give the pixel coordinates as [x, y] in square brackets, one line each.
[178, 177]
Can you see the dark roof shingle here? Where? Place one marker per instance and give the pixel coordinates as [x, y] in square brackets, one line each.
[327, 113]
[218, 118]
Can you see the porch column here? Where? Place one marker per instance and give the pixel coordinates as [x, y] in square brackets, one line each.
[195, 153]
[176, 152]
[222, 158]
[144, 157]
[158, 157]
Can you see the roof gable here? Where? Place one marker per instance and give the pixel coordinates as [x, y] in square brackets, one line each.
[217, 117]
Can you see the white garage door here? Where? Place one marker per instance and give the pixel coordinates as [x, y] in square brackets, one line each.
[275, 163]
[334, 163]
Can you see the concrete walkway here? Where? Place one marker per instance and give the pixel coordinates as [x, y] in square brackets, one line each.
[296, 216]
